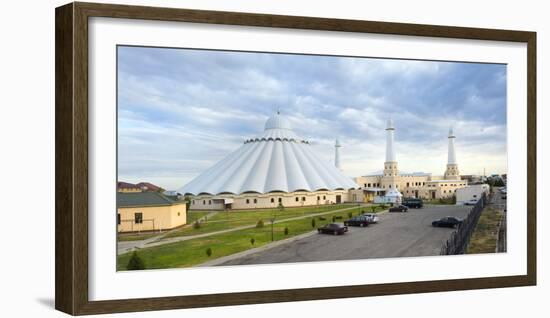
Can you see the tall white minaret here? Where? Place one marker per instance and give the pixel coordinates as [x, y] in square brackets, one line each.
[337, 147]
[390, 151]
[452, 167]
[390, 166]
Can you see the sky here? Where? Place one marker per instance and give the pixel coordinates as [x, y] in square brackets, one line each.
[182, 110]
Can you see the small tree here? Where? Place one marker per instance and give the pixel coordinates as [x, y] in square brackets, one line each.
[286, 230]
[313, 223]
[209, 252]
[196, 225]
[135, 262]
[252, 240]
[260, 224]
[350, 214]
[373, 208]
[333, 218]
[281, 207]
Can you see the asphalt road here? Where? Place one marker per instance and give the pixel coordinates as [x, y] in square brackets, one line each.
[396, 235]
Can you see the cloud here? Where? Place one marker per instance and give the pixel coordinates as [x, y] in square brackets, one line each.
[182, 110]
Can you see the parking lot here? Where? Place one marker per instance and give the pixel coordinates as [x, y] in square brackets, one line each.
[396, 235]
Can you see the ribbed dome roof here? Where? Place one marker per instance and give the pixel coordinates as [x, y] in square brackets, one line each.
[278, 160]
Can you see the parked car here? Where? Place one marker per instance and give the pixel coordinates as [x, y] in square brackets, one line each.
[373, 218]
[471, 202]
[333, 228]
[413, 203]
[448, 221]
[399, 208]
[503, 197]
[357, 221]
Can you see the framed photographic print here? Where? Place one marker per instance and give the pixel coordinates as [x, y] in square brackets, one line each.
[210, 158]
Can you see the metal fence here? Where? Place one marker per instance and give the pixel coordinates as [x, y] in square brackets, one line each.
[458, 242]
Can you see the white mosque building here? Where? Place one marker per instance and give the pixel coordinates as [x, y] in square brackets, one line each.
[278, 167]
[392, 186]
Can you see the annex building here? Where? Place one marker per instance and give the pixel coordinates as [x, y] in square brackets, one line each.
[391, 185]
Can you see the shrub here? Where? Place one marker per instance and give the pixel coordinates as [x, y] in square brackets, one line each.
[135, 262]
[313, 223]
[286, 230]
[252, 240]
[350, 214]
[260, 224]
[209, 252]
[196, 225]
[333, 218]
[321, 218]
[373, 208]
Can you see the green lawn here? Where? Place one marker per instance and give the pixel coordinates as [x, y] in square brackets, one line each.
[484, 237]
[236, 218]
[193, 252]
[192, 216]
[136, 236]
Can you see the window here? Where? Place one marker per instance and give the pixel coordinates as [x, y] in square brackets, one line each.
[369, 185]
[303, 198]
[138, 217]
[209, 201]
[297, 199]
[365, 185]
[407, 184]
[255, 200]
[324, 197]
[280, 200]
[247, 201]
[118, 218]
[179, 213]
[318, 198]
[193, 202]
[203, 202]
[272, 200]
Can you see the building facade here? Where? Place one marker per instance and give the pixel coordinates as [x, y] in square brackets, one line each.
[390, 183]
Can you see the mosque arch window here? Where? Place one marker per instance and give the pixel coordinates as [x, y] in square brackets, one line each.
[303, 198]
[280, 200]
[204, 202]
[255, 200]
[324, 197]
[272, 200]
[247, 201]
[209, 201]
[297, 199]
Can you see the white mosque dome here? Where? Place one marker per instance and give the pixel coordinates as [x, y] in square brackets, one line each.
[278, 160]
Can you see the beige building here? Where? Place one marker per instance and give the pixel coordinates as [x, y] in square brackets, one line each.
[148, 211]
[412, 185]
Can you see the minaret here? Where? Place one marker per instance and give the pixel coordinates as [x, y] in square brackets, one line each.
[452, 167]
[337, 147]
[391, 174]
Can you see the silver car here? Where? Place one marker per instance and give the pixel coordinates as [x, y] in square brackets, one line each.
[371, 217]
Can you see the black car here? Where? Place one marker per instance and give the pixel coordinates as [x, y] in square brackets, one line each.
[357, 221]
[448, 221]
[399, 208]
[333, 228]
[413, 203]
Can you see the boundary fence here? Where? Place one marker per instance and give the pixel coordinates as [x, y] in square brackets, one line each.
[458, 242]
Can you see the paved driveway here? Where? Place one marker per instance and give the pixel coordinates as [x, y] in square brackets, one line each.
[396, 235]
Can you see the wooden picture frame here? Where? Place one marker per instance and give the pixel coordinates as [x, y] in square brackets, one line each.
[71, 90]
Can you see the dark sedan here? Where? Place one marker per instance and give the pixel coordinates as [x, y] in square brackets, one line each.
[357, 221]
[399, 208]
[448, 221]
[333, 228]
